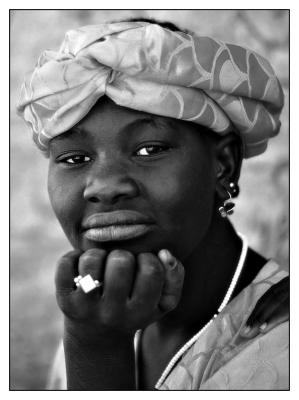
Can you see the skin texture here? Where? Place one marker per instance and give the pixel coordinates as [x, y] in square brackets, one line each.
[176, 175]
[115, 177]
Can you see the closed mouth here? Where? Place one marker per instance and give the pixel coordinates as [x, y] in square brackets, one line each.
[116, 226]
[117, 232]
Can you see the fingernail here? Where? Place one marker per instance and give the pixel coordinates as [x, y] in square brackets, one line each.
[167, 258]
[247, 329]
[263, 326]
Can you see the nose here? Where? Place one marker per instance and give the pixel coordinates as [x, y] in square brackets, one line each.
[108, 183]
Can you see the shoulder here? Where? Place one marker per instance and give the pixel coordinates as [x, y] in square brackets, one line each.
[242, 363]
[222, 358]
[261, 364]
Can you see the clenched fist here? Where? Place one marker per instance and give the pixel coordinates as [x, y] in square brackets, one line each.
[136, 291]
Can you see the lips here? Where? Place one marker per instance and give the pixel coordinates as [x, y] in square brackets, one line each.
[116, 226]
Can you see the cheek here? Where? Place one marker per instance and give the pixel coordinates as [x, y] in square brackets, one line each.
[65, 201]
[184, 189]
[190, 201]
[183, 199]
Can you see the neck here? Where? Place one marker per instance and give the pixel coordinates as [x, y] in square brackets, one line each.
[208, 274]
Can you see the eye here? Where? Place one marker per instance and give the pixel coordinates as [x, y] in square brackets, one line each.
[75, 159]
[151, 150]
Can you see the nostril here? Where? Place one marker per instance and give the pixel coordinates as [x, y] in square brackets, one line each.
[109, 189]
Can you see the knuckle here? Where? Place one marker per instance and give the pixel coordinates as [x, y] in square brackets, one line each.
[181, 270]
[72, 253]
[91, 262]
[151, 266]
[155, 272]
[136, 303]
[168, 304]
[92, 254]
[176, 278]
[171, 302]
[146, 257]
[179, 282]
[65, 305]
[121, 256]
[68, 257]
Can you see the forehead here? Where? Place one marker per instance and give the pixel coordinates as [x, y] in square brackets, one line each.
[106, 115]
[109, 121]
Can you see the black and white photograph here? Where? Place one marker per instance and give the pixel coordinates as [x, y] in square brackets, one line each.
[149, 200]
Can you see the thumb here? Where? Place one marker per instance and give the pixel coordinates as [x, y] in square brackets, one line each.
[174, 279]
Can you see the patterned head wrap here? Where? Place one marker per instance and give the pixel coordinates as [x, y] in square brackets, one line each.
[145, 67]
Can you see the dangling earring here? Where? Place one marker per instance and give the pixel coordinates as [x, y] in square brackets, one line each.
[227, 208]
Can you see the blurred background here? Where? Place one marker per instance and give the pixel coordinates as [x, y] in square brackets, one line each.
[37, 240]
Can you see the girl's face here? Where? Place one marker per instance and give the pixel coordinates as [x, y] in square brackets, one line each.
[117, 159]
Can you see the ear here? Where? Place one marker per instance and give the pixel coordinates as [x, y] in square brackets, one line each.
[229, 156]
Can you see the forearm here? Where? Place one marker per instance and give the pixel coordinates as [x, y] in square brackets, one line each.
[102, 363]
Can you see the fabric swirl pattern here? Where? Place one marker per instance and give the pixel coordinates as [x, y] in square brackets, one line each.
[146, 67]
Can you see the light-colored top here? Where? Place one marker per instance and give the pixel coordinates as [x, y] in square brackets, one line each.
[221, 359]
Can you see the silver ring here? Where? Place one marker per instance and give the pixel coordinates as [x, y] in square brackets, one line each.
[87, 283]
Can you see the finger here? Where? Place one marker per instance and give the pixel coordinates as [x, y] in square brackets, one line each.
[64, 280]
[92, 262]
[174, 279]
[119, 276]
[66, 270]
[82, 305]
[149, 281]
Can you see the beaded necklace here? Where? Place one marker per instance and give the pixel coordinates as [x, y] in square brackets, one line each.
[190, 342]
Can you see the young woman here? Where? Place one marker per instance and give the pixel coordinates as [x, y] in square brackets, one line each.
[145, 128]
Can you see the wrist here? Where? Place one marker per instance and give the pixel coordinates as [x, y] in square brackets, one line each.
[98, 359]
[89, 333]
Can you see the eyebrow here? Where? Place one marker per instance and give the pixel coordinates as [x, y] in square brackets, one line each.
[150, 121]
[142, 121]
[128, 129]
